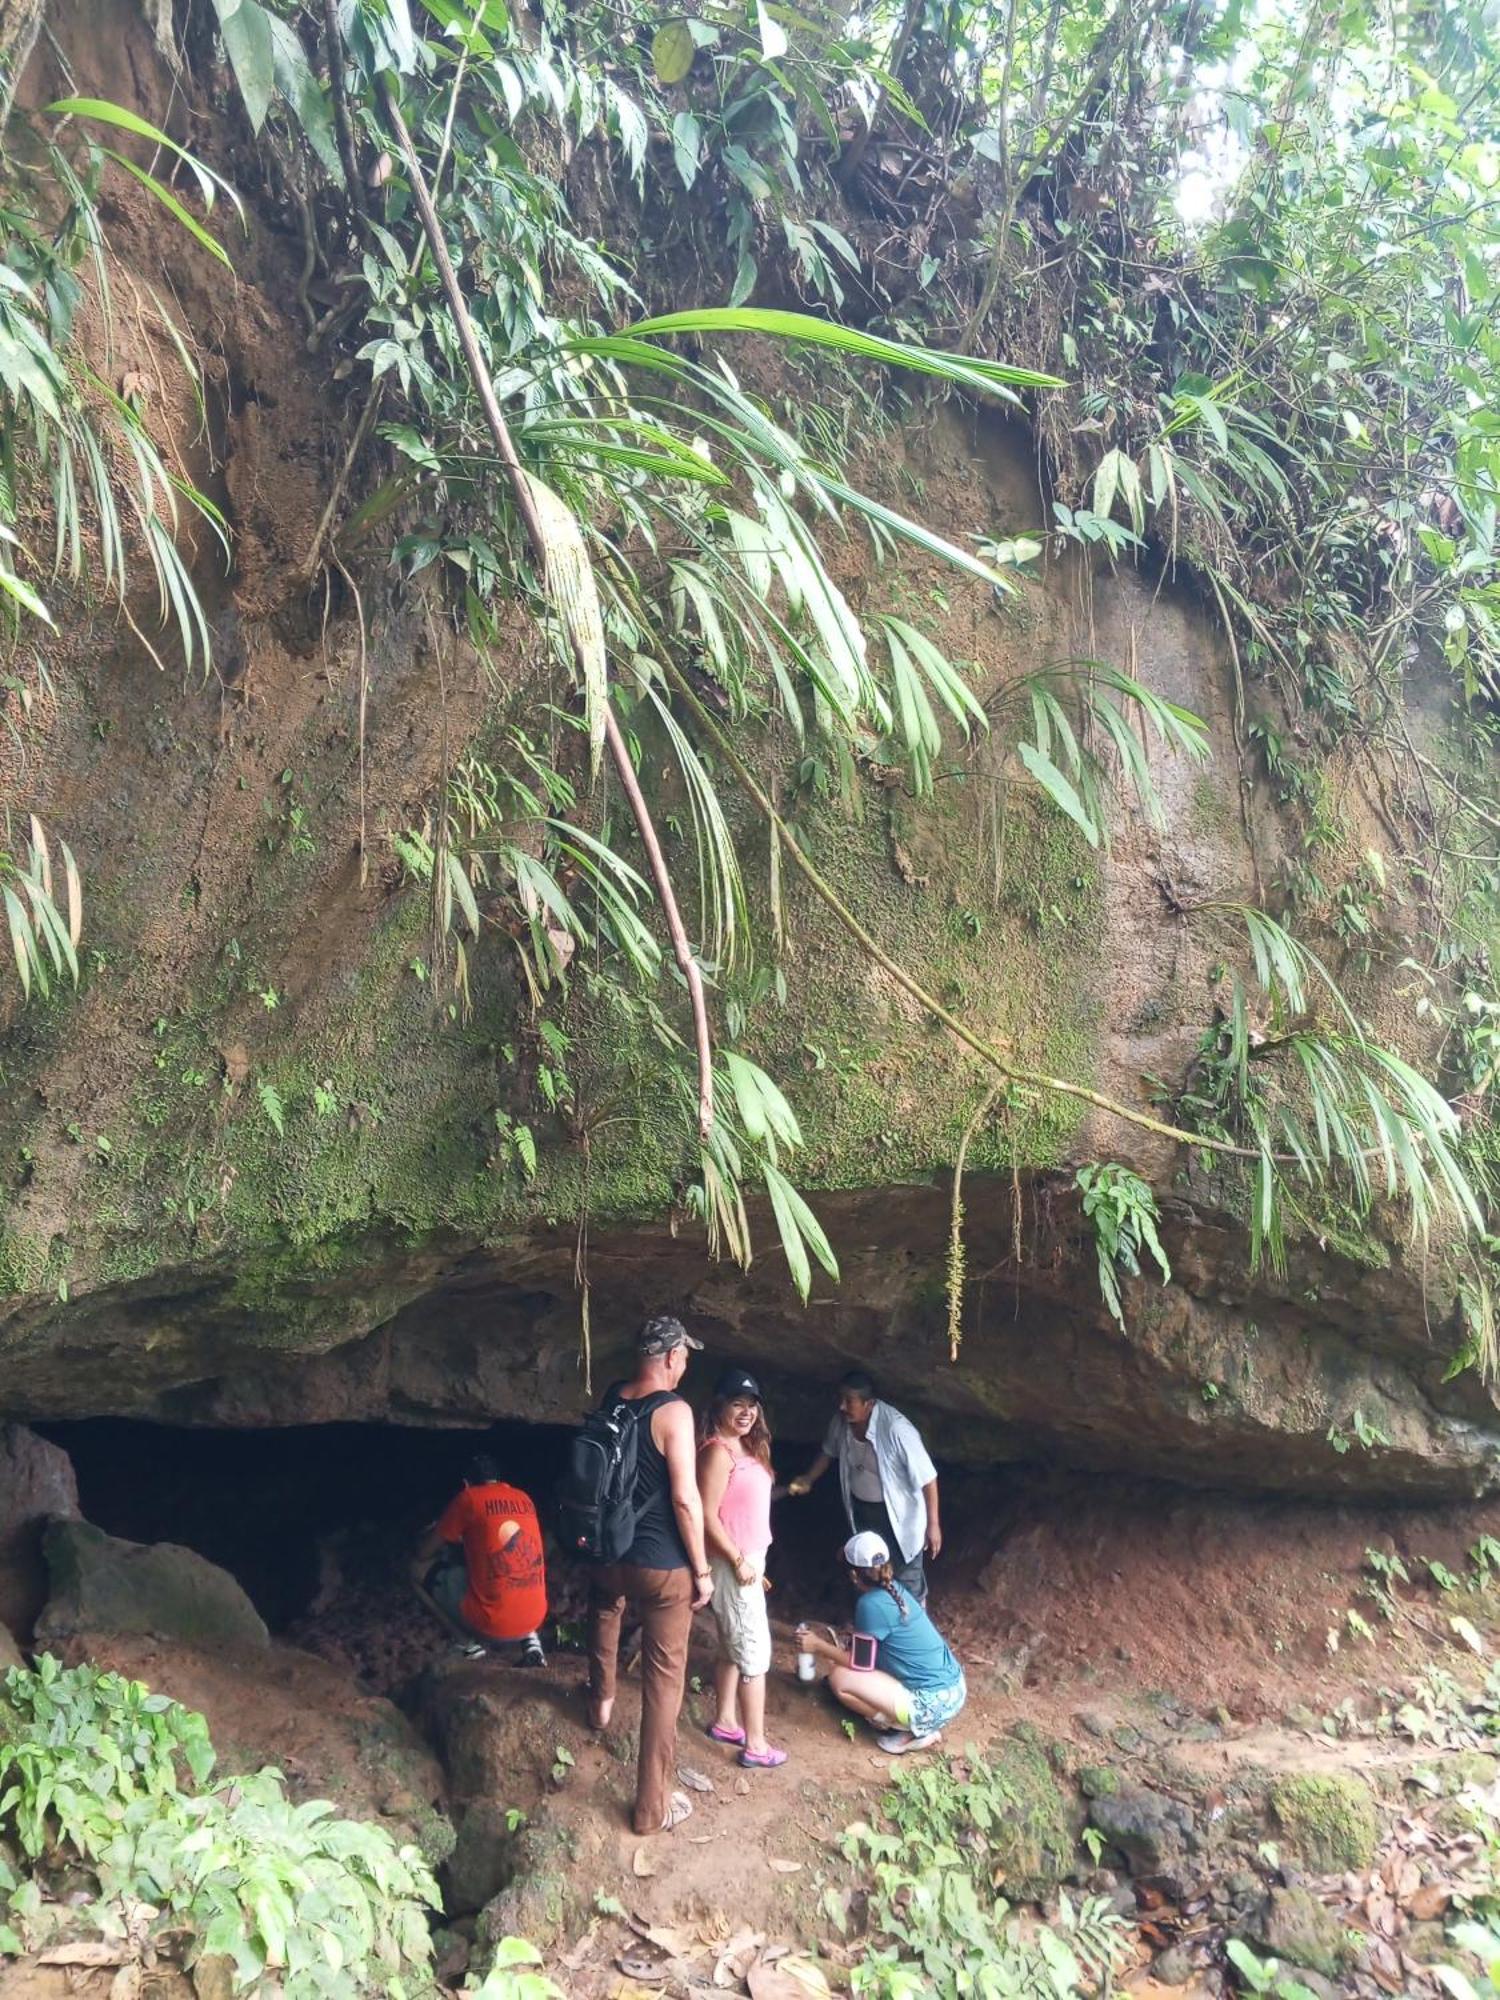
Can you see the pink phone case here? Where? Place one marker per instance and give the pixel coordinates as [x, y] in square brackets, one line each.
[862, 1652]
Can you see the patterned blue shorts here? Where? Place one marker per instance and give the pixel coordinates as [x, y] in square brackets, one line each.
[929, 1709]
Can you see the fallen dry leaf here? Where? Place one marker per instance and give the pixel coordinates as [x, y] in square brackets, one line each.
[1428, 1901]
[791, 1978]
[780, 1866]
[90, 1951]
[668, 1938]
[694, 1780]
[126, 1983]
[737, 1957]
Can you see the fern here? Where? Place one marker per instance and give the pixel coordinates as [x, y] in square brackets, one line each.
[271, 1104]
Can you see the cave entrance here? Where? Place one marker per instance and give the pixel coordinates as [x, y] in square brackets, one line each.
[269, 1504]
[318, 1523]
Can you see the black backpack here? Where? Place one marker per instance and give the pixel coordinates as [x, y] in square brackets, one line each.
[596, 1496]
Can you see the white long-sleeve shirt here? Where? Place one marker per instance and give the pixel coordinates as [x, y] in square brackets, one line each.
[904, 1467]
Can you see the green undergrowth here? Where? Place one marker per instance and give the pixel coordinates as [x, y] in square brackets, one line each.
[947, 1835]
[116, 1826]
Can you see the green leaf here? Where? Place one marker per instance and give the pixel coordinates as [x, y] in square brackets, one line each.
[672, 51]
[246, 28]
[1105, 482]
[305, 96]
[799, 1230]
[171, 204]
[687, 146]
[745, 274]
[773, 41]
[20, 937]
[1058, 789]
[463, 893]
[14, 586]
[967, 371]
[106, 113]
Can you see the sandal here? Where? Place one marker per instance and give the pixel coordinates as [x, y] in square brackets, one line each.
[720, 1734]
[679, 1808]
[769, 1759]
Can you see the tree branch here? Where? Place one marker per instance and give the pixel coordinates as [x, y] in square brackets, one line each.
[536, 534]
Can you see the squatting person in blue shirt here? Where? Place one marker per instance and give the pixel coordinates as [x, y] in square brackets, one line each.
[889, 1484]
[912, 1686]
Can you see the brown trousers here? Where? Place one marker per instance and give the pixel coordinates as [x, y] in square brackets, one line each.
[663, 1601]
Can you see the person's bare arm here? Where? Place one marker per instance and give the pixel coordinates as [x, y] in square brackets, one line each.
[808, 1641]
[714, 1468]
[934, 1525]
[672, 1430]
[810, 1478]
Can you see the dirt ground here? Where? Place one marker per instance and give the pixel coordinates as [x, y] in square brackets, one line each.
[1188, 1637]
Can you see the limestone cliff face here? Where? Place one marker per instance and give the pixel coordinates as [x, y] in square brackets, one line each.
[253, 959]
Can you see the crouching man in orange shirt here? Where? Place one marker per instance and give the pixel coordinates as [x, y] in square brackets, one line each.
[481, 1566]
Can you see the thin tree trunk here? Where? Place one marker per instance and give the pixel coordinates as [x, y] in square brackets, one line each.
[526, 507]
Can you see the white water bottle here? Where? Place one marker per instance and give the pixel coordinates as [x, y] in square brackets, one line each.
[807, 1666]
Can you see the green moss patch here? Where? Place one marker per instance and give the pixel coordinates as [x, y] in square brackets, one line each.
[1330, 1822]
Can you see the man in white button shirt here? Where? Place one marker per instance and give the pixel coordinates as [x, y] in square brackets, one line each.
[889, 1484]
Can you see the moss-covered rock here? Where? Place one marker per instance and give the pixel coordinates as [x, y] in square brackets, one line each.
[1329, 1821]
[1297, 1930]
[101, 1584]
[546, 1898]
[1034, 1838]
[1098, 1781]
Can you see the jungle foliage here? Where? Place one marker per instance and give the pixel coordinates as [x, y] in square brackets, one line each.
[1239, 264]
[122, 1846]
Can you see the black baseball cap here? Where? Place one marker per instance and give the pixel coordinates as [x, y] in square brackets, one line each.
[662, 1333]
[737, 1382]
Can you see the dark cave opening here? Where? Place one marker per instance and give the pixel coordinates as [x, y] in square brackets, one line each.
[318, 1523]
[266, 1503]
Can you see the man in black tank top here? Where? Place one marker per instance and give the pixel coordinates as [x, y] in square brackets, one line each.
[664, 1576]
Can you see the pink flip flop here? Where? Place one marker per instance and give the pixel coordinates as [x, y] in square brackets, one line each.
[769, 1759]
[722, 1735]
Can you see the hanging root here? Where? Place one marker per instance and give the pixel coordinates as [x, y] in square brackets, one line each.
[956, 1222]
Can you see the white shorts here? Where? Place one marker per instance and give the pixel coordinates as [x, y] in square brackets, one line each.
[740, 1613]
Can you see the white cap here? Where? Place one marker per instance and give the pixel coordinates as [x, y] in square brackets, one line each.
[866, 1550]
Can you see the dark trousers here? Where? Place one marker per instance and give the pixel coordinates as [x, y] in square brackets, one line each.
[447, 1584]
[663, 1601]
[910, 1575]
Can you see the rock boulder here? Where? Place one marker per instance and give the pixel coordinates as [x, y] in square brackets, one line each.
[36, 1482]
[101, 1584]
[1151, 1832]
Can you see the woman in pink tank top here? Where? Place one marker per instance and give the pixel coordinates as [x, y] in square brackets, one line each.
[734, 1478]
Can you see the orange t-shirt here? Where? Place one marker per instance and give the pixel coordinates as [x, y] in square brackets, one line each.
[507, 1594]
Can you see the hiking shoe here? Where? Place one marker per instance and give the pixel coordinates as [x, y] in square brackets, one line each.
[769, 1759]
[901, 1742]
[467, 1649]
[532, 1654]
